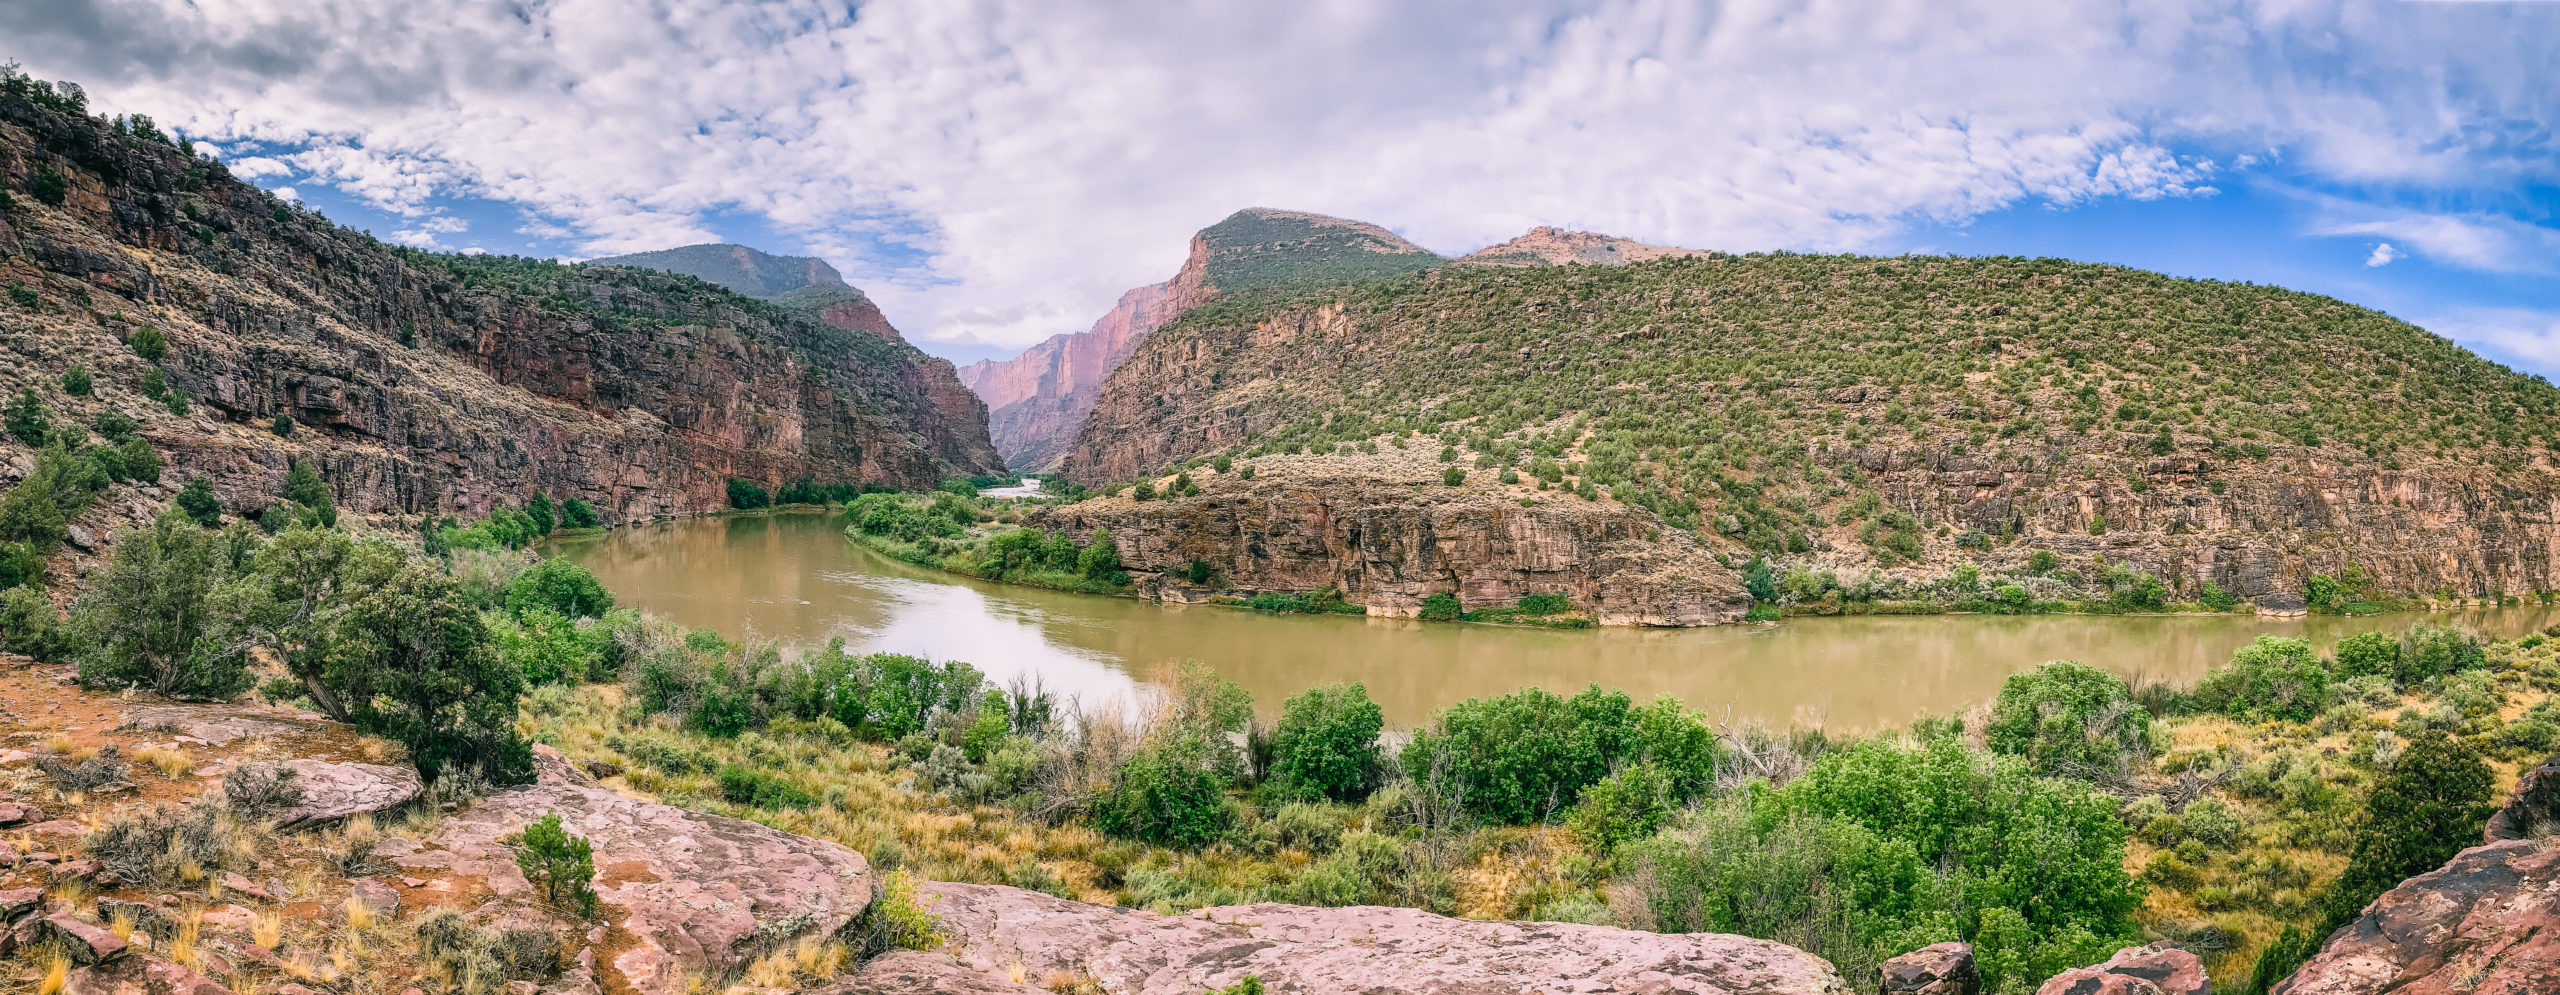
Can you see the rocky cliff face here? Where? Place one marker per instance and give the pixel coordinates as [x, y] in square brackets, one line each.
[1038, 400]
[422, 383]
[1886, 421]
[1386, 532]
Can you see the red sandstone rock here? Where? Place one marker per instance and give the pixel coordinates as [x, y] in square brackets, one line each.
[693, 888]
[2486, 923]
[140, 974]
[2158, 969]
[1936, 969]
[999, 930]
[335, 791]
[85, 943]
[2535, 804]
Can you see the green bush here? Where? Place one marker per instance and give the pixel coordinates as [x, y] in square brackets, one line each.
[747, 494]
[1169, 793]
[762, 789]
[1327, 741]
[27, 418]
[896, 919]
[1440, 607]
[148, 343]
[2428, 652]
[576, 513]
[2274, 678]
[29, 625]
[1525, 757]
[2068, 717]
[560, 863]
[420, 669]
[77, 382]
[2367, 653]
[560, 586]
[539, 510]
[303, 486]
[1627, 805]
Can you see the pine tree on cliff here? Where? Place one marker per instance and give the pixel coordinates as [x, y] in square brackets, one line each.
[303, 486]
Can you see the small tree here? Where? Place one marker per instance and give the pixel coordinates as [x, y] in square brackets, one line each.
[1170, 792]
[77, 382]
[148, 614]
[1327, 741]
[148, 343]
[197, 500]
[414, 662]
[1453, 476]
[1101, 559]
[576, 513]
[303, 486]
[540, 511]
[27, 418]
[560, 863]
[2428, 808]
[561, 586]
[1441, 607]
[282, 426]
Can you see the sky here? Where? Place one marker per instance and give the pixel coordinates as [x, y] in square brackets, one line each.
[997, 171]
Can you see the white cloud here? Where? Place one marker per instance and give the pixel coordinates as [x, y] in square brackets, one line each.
[2384, 255]
[2477, 241]
[2525, 335]
[287, 194]
[999, 170]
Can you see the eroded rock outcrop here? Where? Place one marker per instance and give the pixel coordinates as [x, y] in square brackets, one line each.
[1936, 969]
[2161, 968]
[1004, 932]
[2534, 809]
[698, 893]
[2486, 923]
[427, 384]
[334, 791]
[1388, 534]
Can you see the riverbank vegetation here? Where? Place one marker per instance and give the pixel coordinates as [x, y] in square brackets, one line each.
[2074, 814]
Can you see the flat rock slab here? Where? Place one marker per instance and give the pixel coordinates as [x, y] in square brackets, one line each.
[2486, 923]
[215, 725]
[2161, 968]
[1358, 949]
[702, 893]
[923, 972]
[333, 791]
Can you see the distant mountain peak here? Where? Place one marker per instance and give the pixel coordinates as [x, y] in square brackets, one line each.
[1548, 246]
[1264, 247]
[745, 269]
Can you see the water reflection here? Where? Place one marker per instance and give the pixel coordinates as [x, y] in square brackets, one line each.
[793, 577]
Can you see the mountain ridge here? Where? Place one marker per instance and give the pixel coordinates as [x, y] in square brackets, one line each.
[422, 382]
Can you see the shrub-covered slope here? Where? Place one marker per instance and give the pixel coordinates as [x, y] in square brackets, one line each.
[418, 381]
[1852, 414]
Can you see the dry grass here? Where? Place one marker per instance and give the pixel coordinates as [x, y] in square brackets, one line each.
[266, 928]
[57, 970]
[170, 763]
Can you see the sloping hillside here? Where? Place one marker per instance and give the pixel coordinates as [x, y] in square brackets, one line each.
[798, 284]
[415, 381]
[1037, 400]
[1895, 417]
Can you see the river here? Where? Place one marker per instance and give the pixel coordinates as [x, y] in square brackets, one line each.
[793, 577]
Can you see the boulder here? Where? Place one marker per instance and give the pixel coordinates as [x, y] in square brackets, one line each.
[550, 766]
[140, 974]
[2161, 968]
[2535, 804]
[383, 899]
[18, 814]
[334, 791]
[83, 942]
[17, 903]
[997, 931]
[1936, 969]
[700, 894]
[2486, 923]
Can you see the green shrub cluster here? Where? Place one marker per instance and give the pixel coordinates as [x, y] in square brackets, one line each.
[1527, 756]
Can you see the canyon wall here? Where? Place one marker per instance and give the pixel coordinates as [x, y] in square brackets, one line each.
[426, 383]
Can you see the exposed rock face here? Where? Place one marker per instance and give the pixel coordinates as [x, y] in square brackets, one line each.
[1036, 400]
[440, 384]
[699, 892]
[1544, 246]
[1936, 969]
[922, 972]
[1387, 537]
[2534, 806]
[1360, 949]
[2486, 923]
[334, 791]
[2158, 969]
